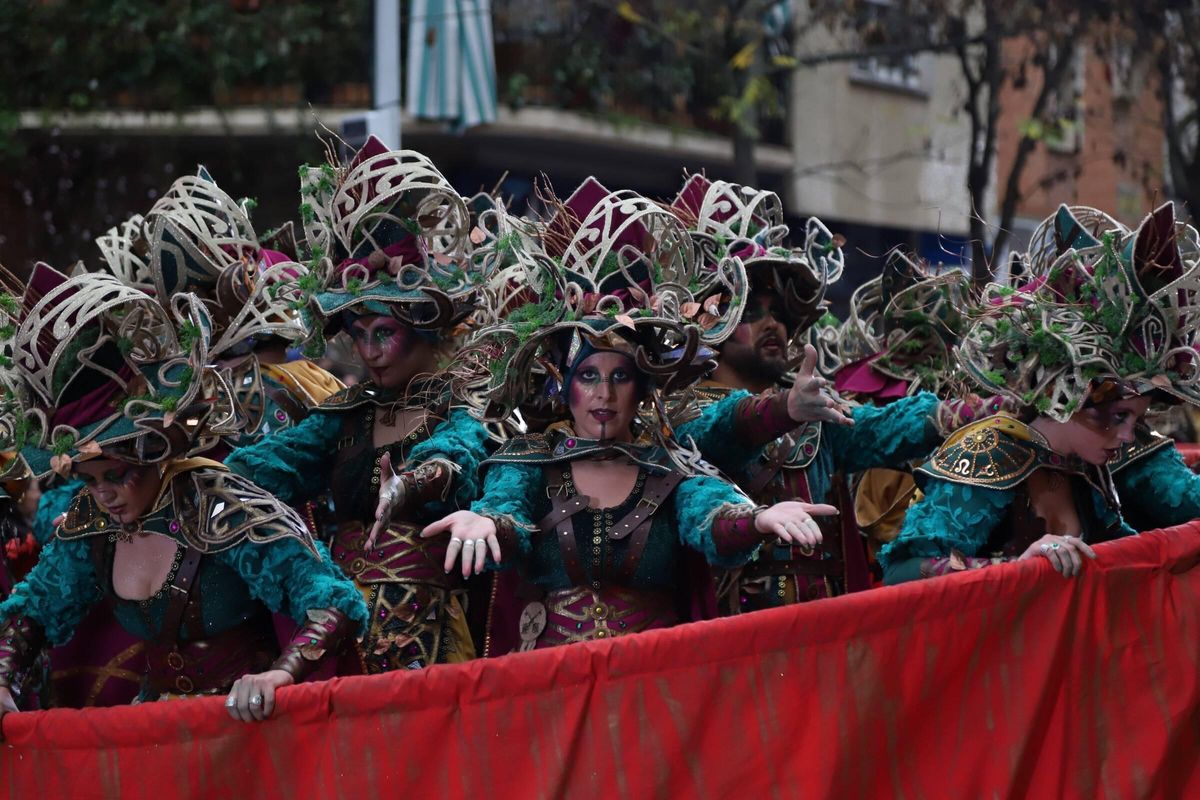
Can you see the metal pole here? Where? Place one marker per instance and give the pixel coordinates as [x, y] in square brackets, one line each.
[387, 72]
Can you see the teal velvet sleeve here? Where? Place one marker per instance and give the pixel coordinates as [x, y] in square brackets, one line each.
[696, 501]
[712, 433]
[53, 503]
[885, 436]
[293, 463]
[461, 440]
[287, 578]
[949, 516]
[509, 490]
[1159, 491]
[58, 591]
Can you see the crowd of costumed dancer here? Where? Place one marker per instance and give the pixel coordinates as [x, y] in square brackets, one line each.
[611, 415]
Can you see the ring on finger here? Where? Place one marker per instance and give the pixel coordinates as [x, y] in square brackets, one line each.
[468, 543]
[231, 701]
[1045, 548]
[256, 700]
[1055, 546]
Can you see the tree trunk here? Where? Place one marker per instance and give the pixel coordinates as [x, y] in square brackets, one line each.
[744, 170]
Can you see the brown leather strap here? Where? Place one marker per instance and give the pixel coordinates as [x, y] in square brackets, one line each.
[637, 523]
[179, 593]
[562, 507]
[353, 440]
[296, 410]
[762, 473]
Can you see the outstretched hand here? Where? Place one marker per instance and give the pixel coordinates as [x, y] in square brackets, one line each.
[792, 521]
[391, 497]
[810, 400]
[472, 535]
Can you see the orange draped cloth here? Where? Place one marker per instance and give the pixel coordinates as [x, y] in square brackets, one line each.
[1006, 681]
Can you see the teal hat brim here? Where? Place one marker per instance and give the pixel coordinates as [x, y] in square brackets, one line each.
[114, 429]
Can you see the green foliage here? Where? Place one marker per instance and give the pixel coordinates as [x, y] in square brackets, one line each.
[189, 334]
[63, 444]
[173, 54]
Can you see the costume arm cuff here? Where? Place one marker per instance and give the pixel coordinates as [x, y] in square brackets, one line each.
[430, 482]
[20, 641]
[325, 632]
[762, 418]
[507, 534]
[733, 529]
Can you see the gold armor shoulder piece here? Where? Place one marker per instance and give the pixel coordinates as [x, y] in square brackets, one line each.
[220, 510]
[998, 452]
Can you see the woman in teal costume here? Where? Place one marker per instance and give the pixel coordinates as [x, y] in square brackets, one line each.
[1085, 348]
[599, 509]
[390, 237]
[197, 239]
[194, 557]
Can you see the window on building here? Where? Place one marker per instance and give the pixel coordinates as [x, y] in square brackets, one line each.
[1064, 133]
[900, 71]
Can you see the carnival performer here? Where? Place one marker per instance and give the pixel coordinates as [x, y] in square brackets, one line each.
[106, 386]
[1156, 488]
[196, 239]
[787, 288]
[897, 340]
[1083, 349]
[592, 318]
[391, 250]
[19, 496]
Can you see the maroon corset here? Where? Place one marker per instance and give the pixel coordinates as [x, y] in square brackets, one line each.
[580, 614]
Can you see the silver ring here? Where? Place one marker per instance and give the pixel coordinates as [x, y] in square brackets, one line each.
[1056, 546]
[230, 702]
[256, 700]
[469, 543]
[455, 540]
[1045, 548]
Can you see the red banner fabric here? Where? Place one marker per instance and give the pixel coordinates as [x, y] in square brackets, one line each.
[1002, 682]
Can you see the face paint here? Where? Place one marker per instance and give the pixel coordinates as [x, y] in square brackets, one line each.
[384, 345]
[1097, 433]
[604, 397]
[125, 491]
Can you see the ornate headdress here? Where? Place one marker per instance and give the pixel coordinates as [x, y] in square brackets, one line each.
[728, 220]
[197, 239]
[94, 366]
[607, 271]
[902, 326]
[388, 235]
[1122, 314]
[1068, 228]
